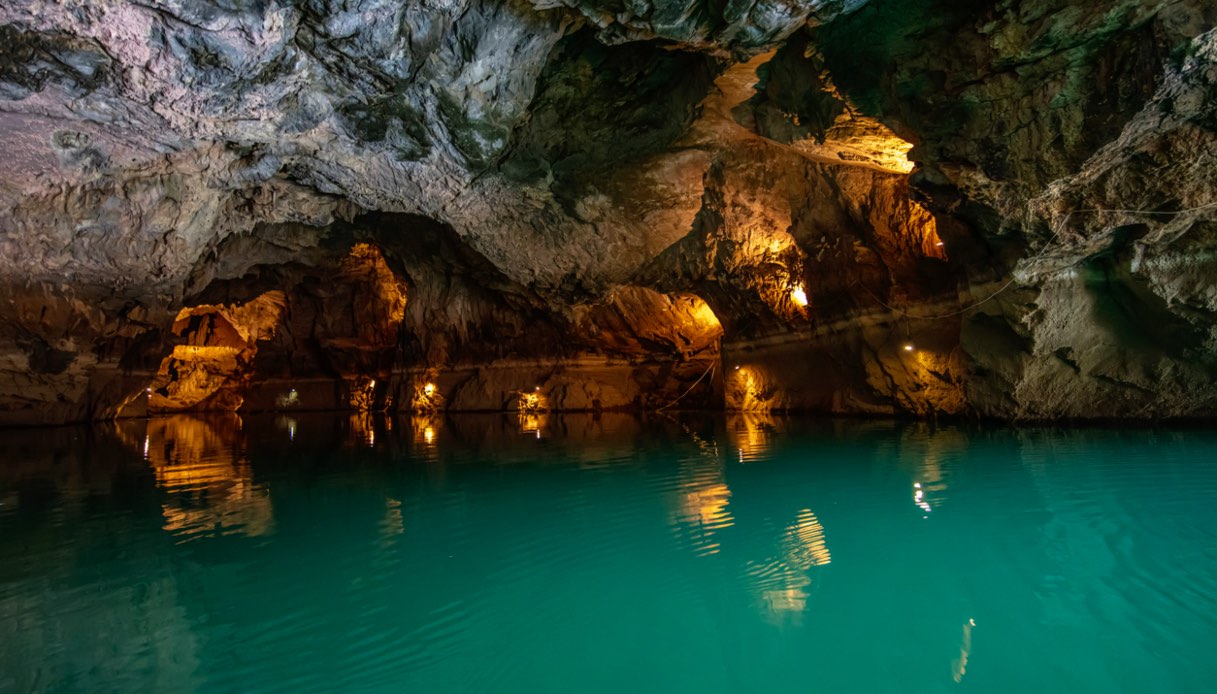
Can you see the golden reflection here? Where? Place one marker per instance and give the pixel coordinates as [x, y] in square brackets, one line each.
[751, 434]
[425, 428]
[531, 410]
[782, 583]
[959, 666]
[707, 505]
[209, 486]
[363, 428]
[804, 546]
[702, 510]
[933, 452]
[532, 422]
[702, 498]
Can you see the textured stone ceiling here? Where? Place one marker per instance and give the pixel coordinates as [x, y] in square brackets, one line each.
[555, 182]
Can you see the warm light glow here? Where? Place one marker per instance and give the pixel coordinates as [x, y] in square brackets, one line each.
[702, 503]
[365, 268]
[532, 422]
[218, 345]
[363, 428]
[751, 432]
[908, 347]
[805, 546]
[708, 506]
[425, 428]
[799, 296]
[206, 480]
[750, 389]
[427, 398]
[782, 582]
[704, 316]
[532, 401]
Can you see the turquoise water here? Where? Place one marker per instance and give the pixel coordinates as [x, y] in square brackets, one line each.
[573, 554]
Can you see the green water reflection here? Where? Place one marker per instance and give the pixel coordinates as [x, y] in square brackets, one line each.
[580, 553]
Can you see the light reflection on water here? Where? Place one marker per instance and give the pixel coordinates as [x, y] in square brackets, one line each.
[207, 478]
[668, 554]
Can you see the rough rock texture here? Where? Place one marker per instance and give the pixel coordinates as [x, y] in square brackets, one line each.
[609, 204]
[1077, 142]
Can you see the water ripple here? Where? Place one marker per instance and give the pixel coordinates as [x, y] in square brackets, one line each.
[745, 553]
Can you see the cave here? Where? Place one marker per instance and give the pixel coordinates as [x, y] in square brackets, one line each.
[478, 268]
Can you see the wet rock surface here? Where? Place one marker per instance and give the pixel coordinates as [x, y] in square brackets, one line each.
[610, 205]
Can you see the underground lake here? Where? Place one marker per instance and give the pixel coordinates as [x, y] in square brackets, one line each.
[608, 346]
[564, 553]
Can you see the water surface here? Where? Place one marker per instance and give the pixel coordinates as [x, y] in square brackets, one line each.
[583, 554]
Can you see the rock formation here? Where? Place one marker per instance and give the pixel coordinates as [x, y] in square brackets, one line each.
[887, 206]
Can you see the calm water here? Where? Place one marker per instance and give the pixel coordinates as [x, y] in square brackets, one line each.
[605, 555]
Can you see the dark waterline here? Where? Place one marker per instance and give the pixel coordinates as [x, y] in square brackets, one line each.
[581, 553]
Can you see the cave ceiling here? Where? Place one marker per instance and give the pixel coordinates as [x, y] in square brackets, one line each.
[1030, 187]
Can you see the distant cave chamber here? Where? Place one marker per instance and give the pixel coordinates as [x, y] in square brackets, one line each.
[399, 314]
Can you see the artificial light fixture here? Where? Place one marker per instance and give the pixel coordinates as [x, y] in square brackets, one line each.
[908, 347]
[429, 388]
[799, 296]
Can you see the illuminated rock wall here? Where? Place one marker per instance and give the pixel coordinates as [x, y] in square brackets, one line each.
[618, 202]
